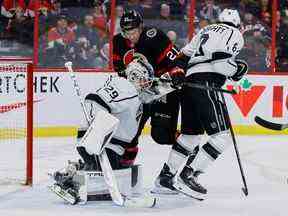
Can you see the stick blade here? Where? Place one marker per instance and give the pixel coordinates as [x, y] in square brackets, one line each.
[245, 191]
[268, 124]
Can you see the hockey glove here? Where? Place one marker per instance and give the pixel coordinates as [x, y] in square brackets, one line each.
[122, 74]
[177, 77]
[242, 69]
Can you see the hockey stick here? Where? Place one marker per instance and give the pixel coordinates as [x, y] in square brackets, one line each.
[199, 86]
[104, 161]
[108, 175]
[195, 85]
[245, 188]
[270, 125]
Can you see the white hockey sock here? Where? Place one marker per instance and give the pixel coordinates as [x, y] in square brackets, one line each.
[175, 160]
[180, 150]
[210, 151]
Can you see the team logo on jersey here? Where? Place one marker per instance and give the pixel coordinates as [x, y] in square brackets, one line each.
[130, 55]
[151, 33]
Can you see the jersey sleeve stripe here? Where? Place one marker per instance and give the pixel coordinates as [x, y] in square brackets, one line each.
[127, 98]
[164, 53]
[229, 62]
[96, 98]
[215, 57]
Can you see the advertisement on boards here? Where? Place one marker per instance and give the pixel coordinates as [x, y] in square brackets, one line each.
[56, 105]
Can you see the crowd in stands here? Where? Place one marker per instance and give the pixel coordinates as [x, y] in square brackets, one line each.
[79, 30]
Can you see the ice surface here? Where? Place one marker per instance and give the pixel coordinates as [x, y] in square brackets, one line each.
[264, 161]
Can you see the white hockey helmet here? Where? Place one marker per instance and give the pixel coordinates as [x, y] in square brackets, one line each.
[140, 73]
[230, 16]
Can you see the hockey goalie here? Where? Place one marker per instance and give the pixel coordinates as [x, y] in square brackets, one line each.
[114, 112]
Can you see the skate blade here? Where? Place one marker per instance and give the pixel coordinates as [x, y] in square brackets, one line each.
[163, 191]
[140, 202]
[63, 194]
[185, 190]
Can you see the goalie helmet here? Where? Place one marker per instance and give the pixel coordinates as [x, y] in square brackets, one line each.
[140, 73]
[230, 16]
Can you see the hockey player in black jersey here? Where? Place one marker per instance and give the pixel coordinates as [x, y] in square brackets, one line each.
[139, 41]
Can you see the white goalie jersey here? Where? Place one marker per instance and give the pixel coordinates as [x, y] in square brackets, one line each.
[120, 98]
[214, 49]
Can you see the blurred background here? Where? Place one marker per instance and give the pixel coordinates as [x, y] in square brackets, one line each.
[52, 31]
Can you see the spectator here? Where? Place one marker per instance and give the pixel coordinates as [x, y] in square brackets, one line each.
[164, 21]
[148, 9]
[102, 60]
[210, 11]
[21, 26]
[45, 7]
[282, 42]
[100, 22]
[265, 7]
[266, 18]
[134, 5]
[99, 18]
[178, 8]
[119, 13]
[60, 39]
[172, 36]
[87, 43]
[9, 8]
[257, 41]
[165, 12]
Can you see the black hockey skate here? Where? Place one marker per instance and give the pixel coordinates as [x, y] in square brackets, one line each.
[164, 182]
[188, 185]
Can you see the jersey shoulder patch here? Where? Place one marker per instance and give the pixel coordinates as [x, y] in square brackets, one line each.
[151, 32]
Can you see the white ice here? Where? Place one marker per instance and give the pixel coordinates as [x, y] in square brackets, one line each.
[264, 161]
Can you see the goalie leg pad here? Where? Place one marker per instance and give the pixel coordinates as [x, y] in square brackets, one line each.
[99, 133]
[92, 185]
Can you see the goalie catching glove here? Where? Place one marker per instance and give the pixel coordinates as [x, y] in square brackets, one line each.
[242, 69]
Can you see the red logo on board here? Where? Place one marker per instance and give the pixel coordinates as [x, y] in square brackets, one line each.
[247, 99]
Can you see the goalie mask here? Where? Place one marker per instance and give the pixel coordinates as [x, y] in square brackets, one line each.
[140, 74]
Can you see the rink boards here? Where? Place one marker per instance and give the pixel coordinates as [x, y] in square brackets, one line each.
[57, 111]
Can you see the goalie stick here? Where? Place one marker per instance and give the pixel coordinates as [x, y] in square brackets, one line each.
[270, 125]
[142, 202]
